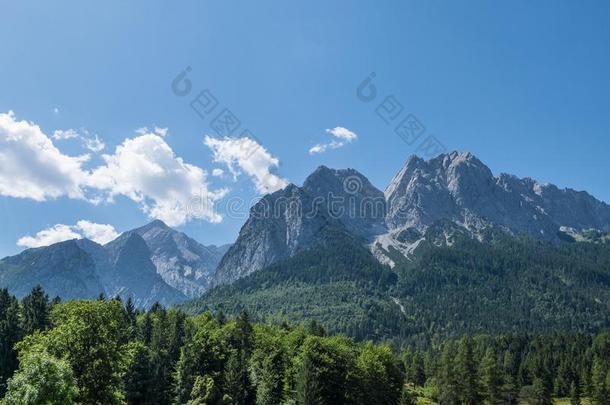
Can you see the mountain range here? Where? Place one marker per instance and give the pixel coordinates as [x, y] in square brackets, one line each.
[456, 188]
[150, 264]
[443, 202]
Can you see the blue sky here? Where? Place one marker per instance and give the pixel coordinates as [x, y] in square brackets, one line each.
[523, 85]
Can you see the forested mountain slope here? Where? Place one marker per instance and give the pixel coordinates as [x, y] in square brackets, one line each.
[506, 285]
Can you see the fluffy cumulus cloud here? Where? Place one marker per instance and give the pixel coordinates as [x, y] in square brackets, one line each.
[100, 233]
[247, 155]
[143, 168]
[341, 135]
[218, 172]
[146, 170]
[49, 236]
[32, 167]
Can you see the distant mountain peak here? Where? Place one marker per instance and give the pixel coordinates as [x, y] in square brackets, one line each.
[460, 187]
[157, 223]
[150, 263]
[181, 261]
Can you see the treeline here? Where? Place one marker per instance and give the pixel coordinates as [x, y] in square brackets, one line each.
[512, 370]
[108, 352]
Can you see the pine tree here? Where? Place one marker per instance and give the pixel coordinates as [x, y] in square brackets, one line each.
[562, 381]
[491, 379]
[241, 390]
[585, 381]
[138, 379]
[542, 393]
[147, 328]
[466, 372]
[447, 382]
[574, 394]
[233, 378]
[308, 386]
[599, 389]
[417, 373]
[10, 334]
[269, 388]
[35, 311]
[406, 398]
[130, 310]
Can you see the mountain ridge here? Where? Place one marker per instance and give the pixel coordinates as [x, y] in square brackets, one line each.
[427, 201]
[456, 186]
[152, 263]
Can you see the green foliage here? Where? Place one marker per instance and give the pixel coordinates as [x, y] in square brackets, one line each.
[35, 309]
[41, 380]
[466, 372]
[490, 378]
[10, 334]
[503, 286]
[138, 377]
[323, 370]
[506, 286]
[342, 275]
[515, 369]
[378, 375]
[85, 334]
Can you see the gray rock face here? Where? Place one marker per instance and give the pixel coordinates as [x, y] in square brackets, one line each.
[437, 200]
[446, 197]
[350, 198]
[125, 254]
[296, 218]
[279, 225]
[182, 262]
[458, 187]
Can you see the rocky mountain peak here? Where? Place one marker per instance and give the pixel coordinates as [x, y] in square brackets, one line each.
[156, 224]
[182, 262]
[459, 187]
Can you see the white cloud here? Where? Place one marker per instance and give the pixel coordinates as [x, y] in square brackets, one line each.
[343, 135]
[65, 134]
[32, 167]
[218, 172]
[146, 170]
[49, 236]
[100, 233]
[162, 132]
[94, 144]
[252, 158]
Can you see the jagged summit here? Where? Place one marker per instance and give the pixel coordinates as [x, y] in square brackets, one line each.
[451, 194]
[157, 223]
[458, 186]
[296, 218]
[455, 190]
